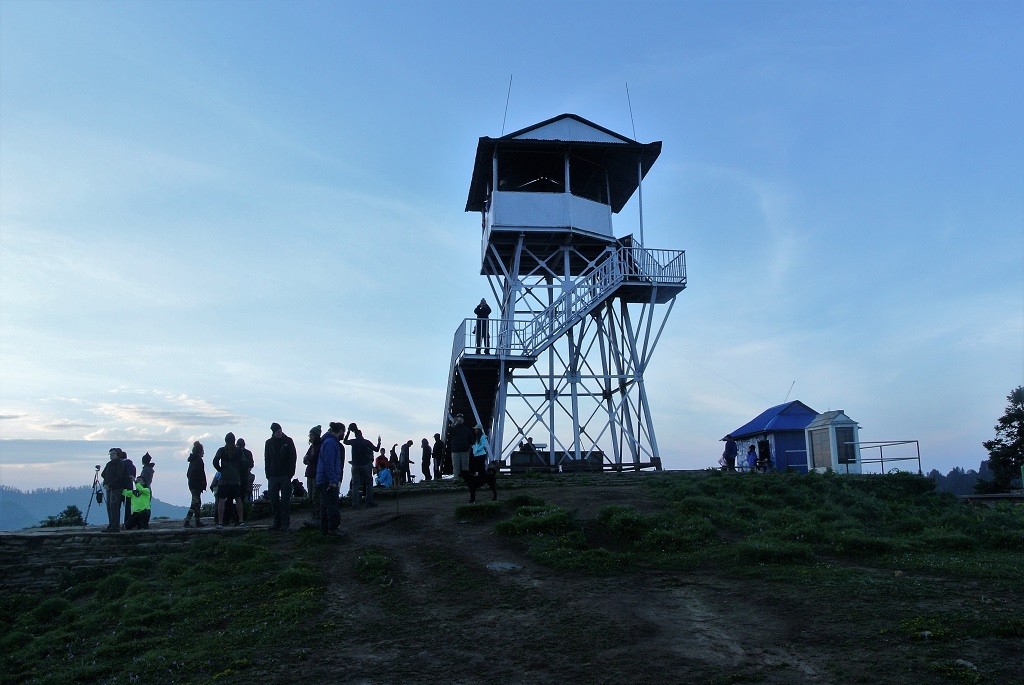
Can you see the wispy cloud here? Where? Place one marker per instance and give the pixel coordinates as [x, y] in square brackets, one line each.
[184, 411]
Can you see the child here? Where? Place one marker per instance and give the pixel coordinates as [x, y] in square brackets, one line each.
[141, 499]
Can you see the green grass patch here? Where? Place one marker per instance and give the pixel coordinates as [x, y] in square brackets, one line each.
[373, 567]
[484, 511]
[533, 520]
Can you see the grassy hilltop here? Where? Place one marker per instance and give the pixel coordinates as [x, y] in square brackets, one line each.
[613, 578]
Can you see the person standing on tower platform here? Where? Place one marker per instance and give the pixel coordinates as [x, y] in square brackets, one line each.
[483, 332]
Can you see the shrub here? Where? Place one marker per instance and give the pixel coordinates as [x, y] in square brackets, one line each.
[852, 542]
[629, 525]
[518, 501]
[113, 586]
[773, 551]
[299, 575]
[941, 539]
[696, 532]
[478, 512]
[531, 520]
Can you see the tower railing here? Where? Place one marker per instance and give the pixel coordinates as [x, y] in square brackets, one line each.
[527, 337]
[523, 339]
[622, 265]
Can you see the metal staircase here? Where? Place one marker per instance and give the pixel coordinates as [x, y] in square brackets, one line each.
[631, 273]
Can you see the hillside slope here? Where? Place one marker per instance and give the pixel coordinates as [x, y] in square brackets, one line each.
[598, 580]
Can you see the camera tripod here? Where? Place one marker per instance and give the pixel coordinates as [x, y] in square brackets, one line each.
[95, 493]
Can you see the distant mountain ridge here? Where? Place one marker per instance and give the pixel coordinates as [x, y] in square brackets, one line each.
[27, 509]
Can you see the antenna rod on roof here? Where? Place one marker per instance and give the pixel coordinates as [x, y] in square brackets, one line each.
[507, 96]
[790, 390]
[639, 169]
[630, 103]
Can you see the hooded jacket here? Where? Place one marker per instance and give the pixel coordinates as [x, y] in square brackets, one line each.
[196, 473]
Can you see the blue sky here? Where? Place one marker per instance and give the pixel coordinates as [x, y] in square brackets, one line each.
[217, 215]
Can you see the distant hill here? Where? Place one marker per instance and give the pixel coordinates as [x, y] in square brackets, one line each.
[26, 509]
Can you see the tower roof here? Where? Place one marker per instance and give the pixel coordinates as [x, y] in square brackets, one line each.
[616, 153]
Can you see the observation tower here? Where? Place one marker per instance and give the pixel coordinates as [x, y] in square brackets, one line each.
[579, 311]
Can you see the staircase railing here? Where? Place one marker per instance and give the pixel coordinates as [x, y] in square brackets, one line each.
[526, 338]
[623, 264]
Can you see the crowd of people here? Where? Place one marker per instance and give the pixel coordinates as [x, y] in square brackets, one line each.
[466, 454]
[127, 491]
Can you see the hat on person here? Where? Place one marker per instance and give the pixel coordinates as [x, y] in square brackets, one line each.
[241, 442]
[146, 458]
[275, 426]
[316, 430]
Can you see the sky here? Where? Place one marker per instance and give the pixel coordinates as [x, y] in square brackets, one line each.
[215, 215]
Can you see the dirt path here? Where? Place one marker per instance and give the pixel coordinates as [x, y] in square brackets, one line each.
[460, 604]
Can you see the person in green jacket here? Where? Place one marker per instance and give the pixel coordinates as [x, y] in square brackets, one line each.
[142, 501]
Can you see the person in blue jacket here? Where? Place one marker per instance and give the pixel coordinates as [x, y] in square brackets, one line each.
[330, 469]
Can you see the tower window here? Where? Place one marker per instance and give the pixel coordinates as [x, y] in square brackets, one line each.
[525, 171]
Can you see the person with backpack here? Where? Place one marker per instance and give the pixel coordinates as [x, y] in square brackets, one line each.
[115, 480]
[228, 463]
[246, 477]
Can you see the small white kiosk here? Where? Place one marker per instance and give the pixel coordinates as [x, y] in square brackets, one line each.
[833, 442]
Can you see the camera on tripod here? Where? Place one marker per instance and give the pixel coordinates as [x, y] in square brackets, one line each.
[99, 488]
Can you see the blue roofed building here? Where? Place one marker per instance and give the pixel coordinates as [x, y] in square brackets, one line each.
[779, 433]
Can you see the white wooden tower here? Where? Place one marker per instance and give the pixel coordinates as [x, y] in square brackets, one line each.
[579, 312]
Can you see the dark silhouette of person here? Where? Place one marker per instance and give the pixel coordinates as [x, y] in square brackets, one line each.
[483, 332]
[729, 454]
[425, 460]
[437, 455]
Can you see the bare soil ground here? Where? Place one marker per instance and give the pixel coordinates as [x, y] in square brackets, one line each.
[461, 604]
